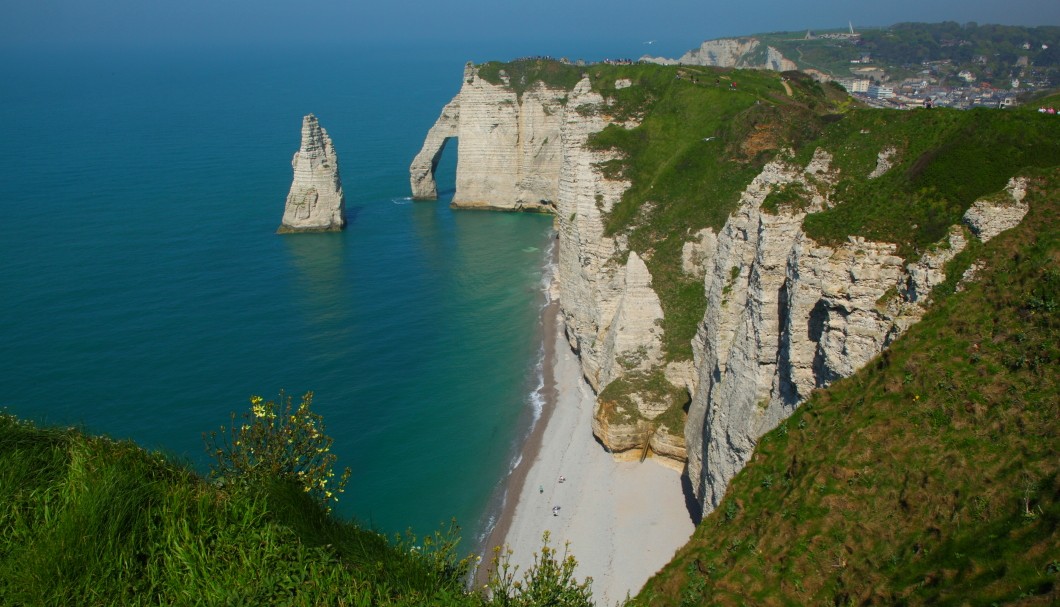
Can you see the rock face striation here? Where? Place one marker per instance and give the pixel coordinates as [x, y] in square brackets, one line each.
[732, 52]
[316, 202]
[508, 146]
[785, 315]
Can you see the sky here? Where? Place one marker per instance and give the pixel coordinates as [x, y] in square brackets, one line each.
[551, 25]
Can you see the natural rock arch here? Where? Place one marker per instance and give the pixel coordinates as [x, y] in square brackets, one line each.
[421, 171]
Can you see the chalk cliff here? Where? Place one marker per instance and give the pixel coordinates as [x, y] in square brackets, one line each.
[529, 151]
[784, 315]
[747, 53]
[508, 145]
[316, 202]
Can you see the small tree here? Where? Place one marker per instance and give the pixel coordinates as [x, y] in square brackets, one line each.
[276, 440]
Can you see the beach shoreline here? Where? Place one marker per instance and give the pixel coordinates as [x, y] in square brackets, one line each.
[622, 520]
[514, 484]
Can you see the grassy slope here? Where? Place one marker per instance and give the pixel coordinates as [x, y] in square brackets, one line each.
[89, 521]
[944, 161]
[932, 476]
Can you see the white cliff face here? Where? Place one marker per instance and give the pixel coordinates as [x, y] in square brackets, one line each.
[786, 315]
[633, 339]
[508, 146]
[589, 275]
[531, 153]
[731, 52]
[421, 173]
[316, 202]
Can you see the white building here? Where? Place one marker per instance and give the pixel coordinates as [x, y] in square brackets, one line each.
[880, 92]
[855, 85]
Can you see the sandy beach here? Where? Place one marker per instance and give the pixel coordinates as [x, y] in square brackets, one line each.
[623, 520]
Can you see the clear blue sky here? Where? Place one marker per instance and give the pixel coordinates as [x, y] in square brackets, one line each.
[675, 24]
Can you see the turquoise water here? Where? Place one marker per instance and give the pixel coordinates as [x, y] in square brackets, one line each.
[145, 295]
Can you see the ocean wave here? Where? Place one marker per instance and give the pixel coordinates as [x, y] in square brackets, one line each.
[548, 272]
[537, 396]
[402, 200]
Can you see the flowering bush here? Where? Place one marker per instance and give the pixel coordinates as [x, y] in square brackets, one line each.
[548, 581]
[278, 440]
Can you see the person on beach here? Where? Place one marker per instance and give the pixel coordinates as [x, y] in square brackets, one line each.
[540, 488]
[562, 478]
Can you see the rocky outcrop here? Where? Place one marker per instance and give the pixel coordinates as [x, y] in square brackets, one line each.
[786, 315]
[883, 162]
[698, 255]
[508, 146]
[732, 52]
[989, 217]
[316, 202]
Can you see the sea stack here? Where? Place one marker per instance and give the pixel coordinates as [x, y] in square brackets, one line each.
[316, 202]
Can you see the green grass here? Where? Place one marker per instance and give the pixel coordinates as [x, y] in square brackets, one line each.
[930, 477]
[524, 74]
[946, 159]
[89, 521]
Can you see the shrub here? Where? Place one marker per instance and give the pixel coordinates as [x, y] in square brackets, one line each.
[276, 440]
[548, 581]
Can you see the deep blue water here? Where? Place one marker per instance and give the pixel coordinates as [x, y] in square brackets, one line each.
[145, 295]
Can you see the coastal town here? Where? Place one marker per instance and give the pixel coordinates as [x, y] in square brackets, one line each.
[932, 87]
[956, 71]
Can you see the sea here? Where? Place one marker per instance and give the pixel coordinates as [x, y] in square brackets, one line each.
[145, 294]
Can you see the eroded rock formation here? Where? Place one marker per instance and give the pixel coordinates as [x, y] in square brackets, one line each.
[316, 202]
[786, 315]
[508, 146]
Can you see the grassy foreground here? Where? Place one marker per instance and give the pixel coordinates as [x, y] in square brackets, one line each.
[930, 477]
[85, 520]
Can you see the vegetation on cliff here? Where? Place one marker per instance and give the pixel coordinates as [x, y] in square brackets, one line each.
[86, 520]
[942, 162]
[931, 476]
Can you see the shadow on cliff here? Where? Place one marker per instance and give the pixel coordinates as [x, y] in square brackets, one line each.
[695, 509]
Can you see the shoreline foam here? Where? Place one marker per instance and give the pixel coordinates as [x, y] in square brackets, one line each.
[623, 520]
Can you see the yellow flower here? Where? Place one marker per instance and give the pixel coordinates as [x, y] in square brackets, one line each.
[256, 400]
[259, 411]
